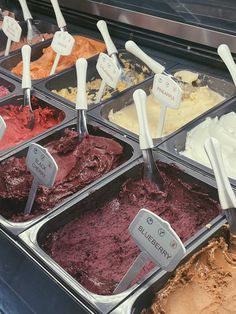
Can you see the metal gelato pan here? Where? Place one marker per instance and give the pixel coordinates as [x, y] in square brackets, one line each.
[130, 153]
[42, 26]
[101, 113]
[9, 62]
[91, 203]
[67, 79]
[13, 86]
[39, 99]
[176, 143]
[143, 297]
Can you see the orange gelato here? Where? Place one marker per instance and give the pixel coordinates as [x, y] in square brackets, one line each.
[40, 68]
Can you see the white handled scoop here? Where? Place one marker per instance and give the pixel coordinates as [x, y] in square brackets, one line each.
[126, 76]
[81, 99]
[145, 140]
[60, 18]
[32, 29]
[225, 54]
[226, 195]
[133, 48]
[155, 66]
[26, 83]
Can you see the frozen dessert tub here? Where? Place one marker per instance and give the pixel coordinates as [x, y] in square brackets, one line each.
[43, 49]
[176, 143]
[104, 113]
[44, 27]
[106, 195]
[60, 115]
[68, 79]
[143, 297]
[72, 179]
[10, 85]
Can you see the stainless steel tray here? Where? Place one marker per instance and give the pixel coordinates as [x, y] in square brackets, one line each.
[95, 198]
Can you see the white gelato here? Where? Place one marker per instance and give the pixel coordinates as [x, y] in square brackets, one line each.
[224, 130]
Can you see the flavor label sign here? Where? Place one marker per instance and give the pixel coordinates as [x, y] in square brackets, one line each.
[11, 28]
[63, 43]
[167, 91]
[2, 127]
[41, 165]
[155, 237]
[108, 70]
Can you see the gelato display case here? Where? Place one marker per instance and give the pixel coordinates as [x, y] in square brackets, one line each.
[70, 253]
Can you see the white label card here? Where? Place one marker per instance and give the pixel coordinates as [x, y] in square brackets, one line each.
[62, 43]
[11, 28]
[155, 237]
[108, 70]
[41, 164]
[167, 91]
[2, 127]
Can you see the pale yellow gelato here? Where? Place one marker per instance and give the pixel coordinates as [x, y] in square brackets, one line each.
[195, 101]
[133, 78]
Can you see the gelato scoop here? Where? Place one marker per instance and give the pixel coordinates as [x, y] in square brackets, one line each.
[195, 101]
[79, 164]
[16, 117]
[224, 130]
[96, 247]
[205, 284]
[40, 68]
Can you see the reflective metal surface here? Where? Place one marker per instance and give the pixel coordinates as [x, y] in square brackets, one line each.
[147, 16]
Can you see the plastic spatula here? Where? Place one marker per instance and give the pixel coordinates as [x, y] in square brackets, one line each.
[32, 29]
[81, 99]
[226, 195]
[225, 54]
[145, 140]
[60, 18]
[26, 83]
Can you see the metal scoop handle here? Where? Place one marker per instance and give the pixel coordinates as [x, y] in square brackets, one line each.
[59, 17]
[225, 54]
[155, 66]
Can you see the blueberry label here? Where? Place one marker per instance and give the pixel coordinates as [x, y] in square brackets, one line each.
[155, 237]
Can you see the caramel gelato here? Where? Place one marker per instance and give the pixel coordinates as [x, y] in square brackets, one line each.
[205, 284]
